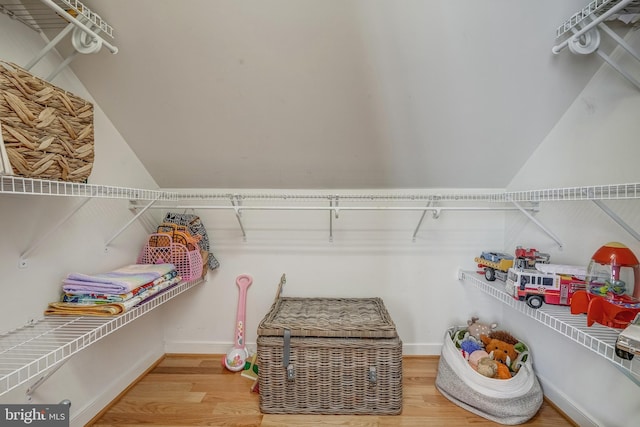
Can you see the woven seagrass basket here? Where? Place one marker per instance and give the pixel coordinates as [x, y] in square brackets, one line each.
[329, 356]
[47, 132]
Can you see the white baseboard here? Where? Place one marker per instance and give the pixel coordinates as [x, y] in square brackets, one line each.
[422, 349]
[566, 405]
[210, 347]
[93, 407]
[201, 347]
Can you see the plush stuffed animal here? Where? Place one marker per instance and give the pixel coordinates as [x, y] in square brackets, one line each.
[476, 328]
[469, 346]
[502, 351]
[503, 371]
[493, 369]
[475, 357]
[503, 336]
[487, 367]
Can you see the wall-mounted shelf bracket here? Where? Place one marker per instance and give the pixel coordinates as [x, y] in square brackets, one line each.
[617, 219]
[43, 378]
[424, 213]
[149, 225]
[236, 202]
[23, 263]
[331, 213]
[585, 39]
[538, 223]
[131, 221]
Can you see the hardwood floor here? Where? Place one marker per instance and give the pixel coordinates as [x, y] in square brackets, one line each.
[194, 390]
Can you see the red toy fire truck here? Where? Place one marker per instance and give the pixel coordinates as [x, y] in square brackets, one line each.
[548, 283]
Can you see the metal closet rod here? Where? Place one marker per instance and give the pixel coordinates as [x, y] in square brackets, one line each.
[341, 208]
[480, 197]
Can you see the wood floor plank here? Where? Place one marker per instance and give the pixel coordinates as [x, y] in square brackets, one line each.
[195, 390]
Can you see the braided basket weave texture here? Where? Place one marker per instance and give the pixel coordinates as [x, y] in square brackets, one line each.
[47, 132]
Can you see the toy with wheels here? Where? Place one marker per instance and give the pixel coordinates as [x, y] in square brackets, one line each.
[236, 357]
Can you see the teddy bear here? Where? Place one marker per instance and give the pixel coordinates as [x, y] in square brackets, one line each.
[476, 328]
[487, 367]
[501, 350]
[493, 369]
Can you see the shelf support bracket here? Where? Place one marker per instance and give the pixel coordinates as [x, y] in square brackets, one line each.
[49, 46]
[617, 219]
[626, 47]
[25, 255]
[538, 223]
[331, 218]
[333, 210]
[43, 378]
[424, 213]
[131, 221]
[236, 202]
[148, 224]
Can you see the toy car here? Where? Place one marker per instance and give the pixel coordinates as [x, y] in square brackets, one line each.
[628, 342]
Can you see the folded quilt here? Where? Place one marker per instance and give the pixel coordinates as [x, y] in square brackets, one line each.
[119, 281]
[103, 308]
[96, 297]
[72, 309]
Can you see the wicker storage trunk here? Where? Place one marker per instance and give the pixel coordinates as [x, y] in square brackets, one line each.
[329, 356]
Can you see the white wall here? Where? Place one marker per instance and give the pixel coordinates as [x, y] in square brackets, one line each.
[93, 377]
[596, 142]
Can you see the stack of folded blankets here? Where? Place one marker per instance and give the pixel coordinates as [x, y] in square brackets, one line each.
[113, 292]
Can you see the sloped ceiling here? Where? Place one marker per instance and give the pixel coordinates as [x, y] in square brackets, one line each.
[334, 93]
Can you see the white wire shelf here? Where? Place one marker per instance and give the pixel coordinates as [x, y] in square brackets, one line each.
[38, 16]
[597, 338]
[10, 184]
[596, 7]
[596, 192]
[31, 350]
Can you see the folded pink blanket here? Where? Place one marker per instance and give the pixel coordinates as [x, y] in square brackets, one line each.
[120, 281]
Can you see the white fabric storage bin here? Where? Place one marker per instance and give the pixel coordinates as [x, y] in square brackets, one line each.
[511, 401]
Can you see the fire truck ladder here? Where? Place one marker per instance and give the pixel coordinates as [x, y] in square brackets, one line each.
[570, 270]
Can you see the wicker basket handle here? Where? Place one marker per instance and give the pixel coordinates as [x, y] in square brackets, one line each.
[283, 280]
